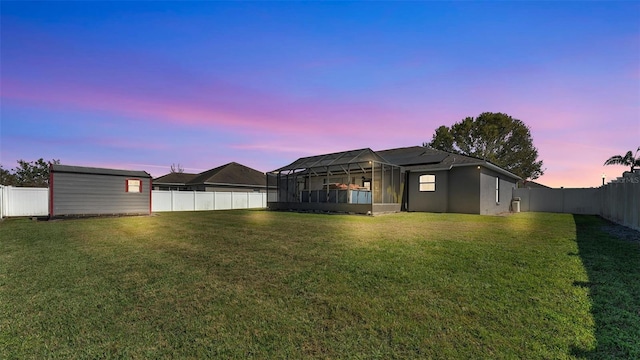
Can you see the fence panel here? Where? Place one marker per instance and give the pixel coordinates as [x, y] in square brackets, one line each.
[223, 201]
[205, 201]
[24, 201]
[161, 200]
[621, 201]
[240, 200]
[257, 200]
[183, 201]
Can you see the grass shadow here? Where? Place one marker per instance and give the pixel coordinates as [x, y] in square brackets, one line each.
[612, 264]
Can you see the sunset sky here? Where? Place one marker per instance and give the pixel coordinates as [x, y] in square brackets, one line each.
[143, 85]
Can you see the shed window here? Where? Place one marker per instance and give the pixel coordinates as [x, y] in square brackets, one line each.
[427, 183]
[497, 190]
[134, 186]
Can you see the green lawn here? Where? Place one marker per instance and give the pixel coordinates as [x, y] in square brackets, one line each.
[259, 284]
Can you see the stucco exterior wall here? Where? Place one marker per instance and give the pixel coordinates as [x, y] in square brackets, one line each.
[488, 204]
[429, 201]
[464, 190]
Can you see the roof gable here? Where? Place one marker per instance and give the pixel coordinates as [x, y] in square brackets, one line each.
[231, 173]
[413, 157]
[426, 158]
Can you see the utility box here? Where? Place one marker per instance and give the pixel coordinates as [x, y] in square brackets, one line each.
[515, 205]
[88, 191]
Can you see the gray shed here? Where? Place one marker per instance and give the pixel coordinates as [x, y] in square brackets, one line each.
[88, 191]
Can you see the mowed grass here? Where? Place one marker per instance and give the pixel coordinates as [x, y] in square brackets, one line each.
[260, 284]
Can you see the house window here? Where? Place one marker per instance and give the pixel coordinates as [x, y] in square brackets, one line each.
[134, 186]
[497, 190]
[427, 183]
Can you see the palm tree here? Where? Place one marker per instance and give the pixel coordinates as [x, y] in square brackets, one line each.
[627, 160]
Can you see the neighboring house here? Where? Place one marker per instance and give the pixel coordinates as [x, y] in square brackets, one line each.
[412, 179]
[88, 191]
[173, 181]
[228, 177]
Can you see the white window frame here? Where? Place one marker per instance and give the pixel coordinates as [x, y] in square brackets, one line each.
[427, 183]
[497, 190]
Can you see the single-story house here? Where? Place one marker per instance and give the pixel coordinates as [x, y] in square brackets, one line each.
[412, 179]
[89, 191]
[228, 177]
[173, 181]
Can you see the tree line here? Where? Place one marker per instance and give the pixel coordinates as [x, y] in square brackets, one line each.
[27, 173]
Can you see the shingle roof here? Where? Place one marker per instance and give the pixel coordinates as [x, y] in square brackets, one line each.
[231, 173]
[174, 178]
[424, 158]
[102, 171]
[414, 155]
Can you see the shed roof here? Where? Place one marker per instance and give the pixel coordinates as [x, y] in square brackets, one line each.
[334, 160]
[57, 168]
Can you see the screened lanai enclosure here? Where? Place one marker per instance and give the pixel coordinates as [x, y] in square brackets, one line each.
[356, 181]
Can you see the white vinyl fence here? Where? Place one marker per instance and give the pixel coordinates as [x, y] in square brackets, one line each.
[162, 200]
[24, 201]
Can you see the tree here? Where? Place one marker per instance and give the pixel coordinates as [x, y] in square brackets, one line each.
[629, 159]
[494, 137]
[176, 169]
[6, 177]
[33, 173]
